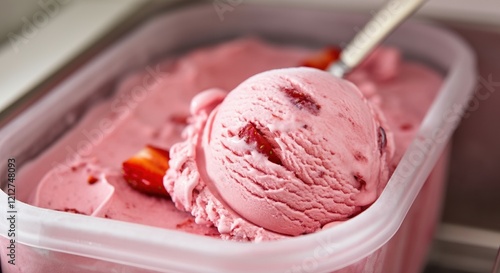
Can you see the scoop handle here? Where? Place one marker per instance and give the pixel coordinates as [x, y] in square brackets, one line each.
[391, 15]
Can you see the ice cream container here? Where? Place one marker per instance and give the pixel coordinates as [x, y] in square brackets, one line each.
[390, 236]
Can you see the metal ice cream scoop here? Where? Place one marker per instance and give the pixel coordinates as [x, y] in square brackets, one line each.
[375, 31]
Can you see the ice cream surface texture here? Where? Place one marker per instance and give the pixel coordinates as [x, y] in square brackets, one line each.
[326, 180]
[291, 150]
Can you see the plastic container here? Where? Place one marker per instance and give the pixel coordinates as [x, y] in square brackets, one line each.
[51, 241]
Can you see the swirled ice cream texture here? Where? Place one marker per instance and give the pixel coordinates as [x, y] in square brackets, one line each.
[402, 91]
[332, 147]
[308, 182]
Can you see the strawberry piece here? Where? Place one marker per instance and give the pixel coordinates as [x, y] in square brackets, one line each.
[251, 134]
[92, 179]
[302, 101]
[72, 210]
[323, 59]
[145, 170]
[382, 139]
[179, 119]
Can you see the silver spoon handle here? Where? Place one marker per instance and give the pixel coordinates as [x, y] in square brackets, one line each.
[382, 23]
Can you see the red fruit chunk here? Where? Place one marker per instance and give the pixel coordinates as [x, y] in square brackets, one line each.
[179, 119]
[323, 59]
[302, 101]
[92, 179]
[145, 170]
[251, 134]
[382, 139]
[72, 210]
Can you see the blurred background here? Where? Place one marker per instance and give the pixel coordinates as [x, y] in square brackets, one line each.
[41, 41]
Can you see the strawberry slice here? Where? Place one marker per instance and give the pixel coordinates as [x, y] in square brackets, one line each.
[251, 134]
[323, 59]
[92, 179]
[145, 170]
[302, 100]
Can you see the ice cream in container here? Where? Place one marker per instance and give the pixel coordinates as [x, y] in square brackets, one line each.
[55, 241]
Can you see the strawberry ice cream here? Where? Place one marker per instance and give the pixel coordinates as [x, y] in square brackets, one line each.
[316, 150]
[288, 150]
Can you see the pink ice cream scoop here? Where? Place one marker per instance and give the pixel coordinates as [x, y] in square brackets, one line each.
[291, 150]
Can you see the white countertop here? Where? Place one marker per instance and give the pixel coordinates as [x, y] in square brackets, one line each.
[468, 11]
[50, 37]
